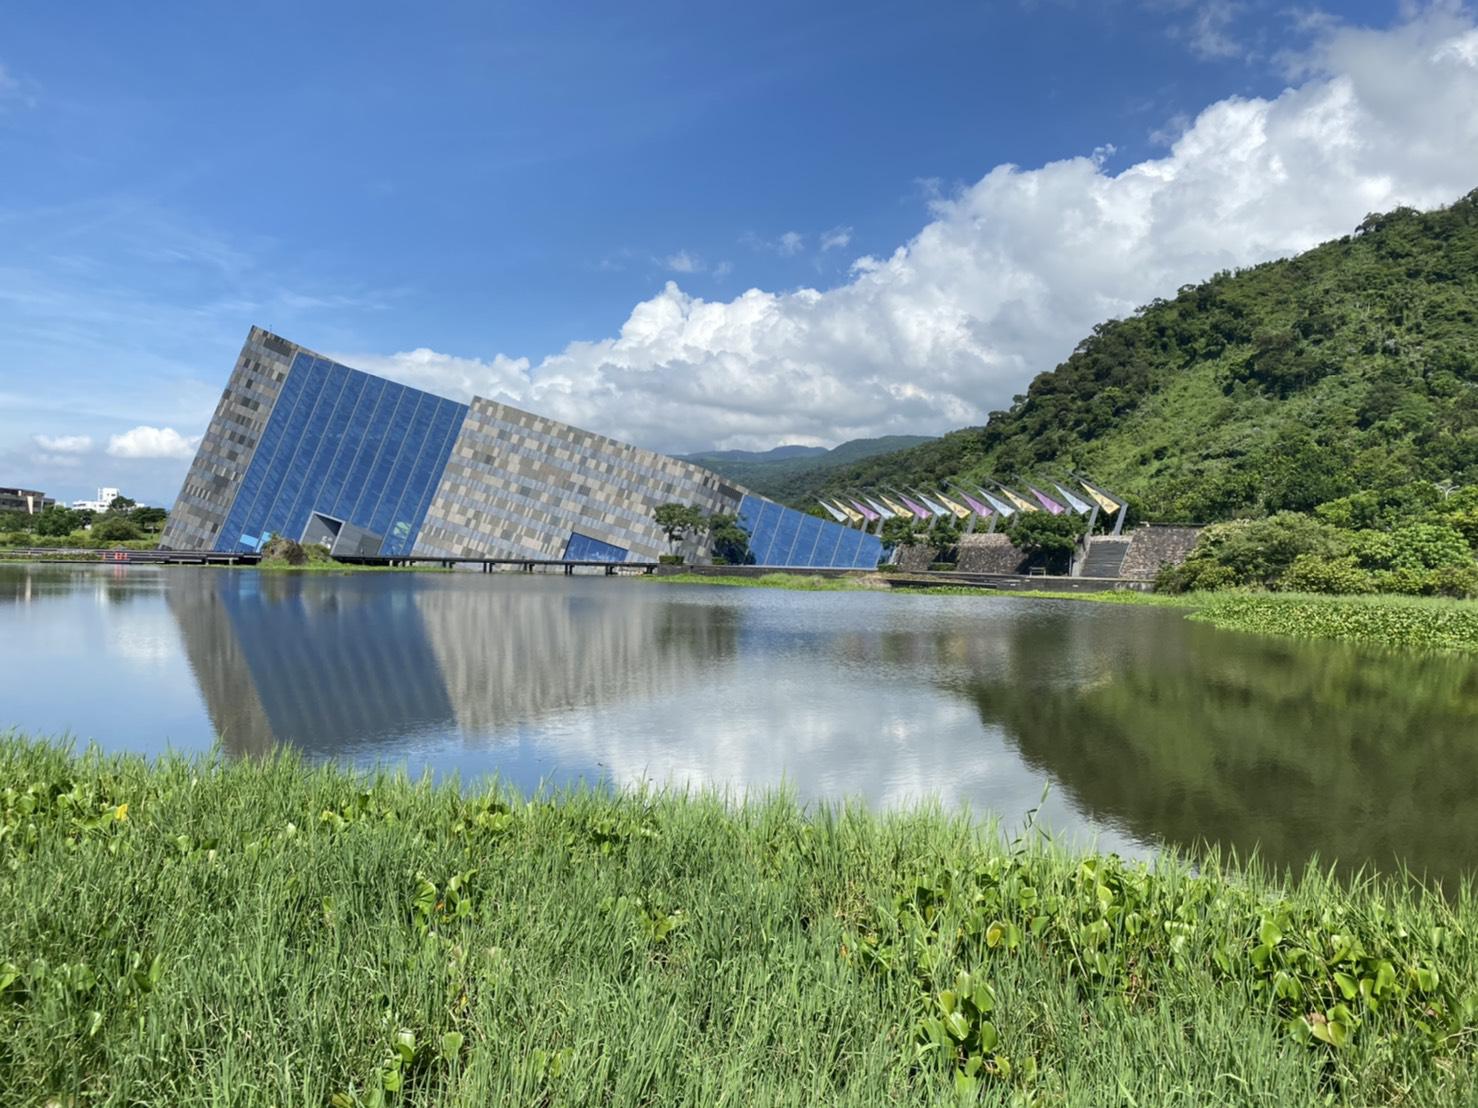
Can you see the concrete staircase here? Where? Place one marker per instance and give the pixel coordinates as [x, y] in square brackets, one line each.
[1105, 557]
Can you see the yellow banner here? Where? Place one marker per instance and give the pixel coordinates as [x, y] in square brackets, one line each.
[1108, 505]
[959, 509]
[1019, 503]
[850, 512]
[896, 509]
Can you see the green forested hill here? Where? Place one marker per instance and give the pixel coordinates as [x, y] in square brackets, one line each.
[1352, 366]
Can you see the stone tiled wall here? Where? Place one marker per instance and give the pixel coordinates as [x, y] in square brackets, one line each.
[1156, 546]
[518, 484]
[229, 443]
[989, 554]
[916, 558]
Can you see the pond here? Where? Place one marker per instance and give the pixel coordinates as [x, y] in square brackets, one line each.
[1144, 729]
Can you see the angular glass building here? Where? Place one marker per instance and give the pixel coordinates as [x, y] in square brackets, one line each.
[305, 448]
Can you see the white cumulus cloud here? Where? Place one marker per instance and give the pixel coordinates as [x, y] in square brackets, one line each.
[63, 444]
[153, 442]
[1013, 270]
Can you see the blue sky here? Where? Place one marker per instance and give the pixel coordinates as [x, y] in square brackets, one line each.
[688, 225]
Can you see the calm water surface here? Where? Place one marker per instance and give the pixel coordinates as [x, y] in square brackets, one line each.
[1149, 730]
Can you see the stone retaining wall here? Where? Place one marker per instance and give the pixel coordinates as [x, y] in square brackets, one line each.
[1155, 546]
[990, 554]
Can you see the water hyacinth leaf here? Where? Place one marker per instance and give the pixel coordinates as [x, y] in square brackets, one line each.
[1424, 979]
[983, 997]
[957, 1025]
[451, 1045]
[1385, 978]
[1269, 933]
[1347, 985]
[405, 1046]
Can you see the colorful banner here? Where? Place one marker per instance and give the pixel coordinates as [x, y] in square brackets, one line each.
[1073, 502]
[936, 509]
[975, 506]
[1103, 500]
[884, 511]
[1020, 503]
[867, 513]
[835, 514]
[918, 510]
[898, 510]
[960, 511]
[852, 515]
[1006, 511]
[1046, 501]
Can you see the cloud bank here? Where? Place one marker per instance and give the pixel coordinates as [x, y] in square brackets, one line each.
[1014, 269]
[153, 442]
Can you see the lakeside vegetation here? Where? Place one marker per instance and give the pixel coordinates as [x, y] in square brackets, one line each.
[125, 525]
[266, 932]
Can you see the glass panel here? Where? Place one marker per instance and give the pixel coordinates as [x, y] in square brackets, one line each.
[373, 416]
[787, 527]
[805, 543]
[583, 548]
[391, 515]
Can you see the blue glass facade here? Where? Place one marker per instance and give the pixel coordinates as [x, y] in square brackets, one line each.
[582, 548]
[780, 536]
[347, 445]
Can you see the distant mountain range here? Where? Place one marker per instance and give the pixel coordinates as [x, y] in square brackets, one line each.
[780, 473]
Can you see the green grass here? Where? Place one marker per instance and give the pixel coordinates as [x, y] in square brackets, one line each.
[341, 567]
[268, 933]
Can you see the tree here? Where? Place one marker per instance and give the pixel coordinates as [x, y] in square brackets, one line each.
[1053, 537]
[115, 528]
[122, 504]
[150, 519]
[678, 521]
[727, 539]
[56, 521]
[900, 531]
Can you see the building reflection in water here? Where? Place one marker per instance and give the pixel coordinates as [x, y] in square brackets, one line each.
[353, 665]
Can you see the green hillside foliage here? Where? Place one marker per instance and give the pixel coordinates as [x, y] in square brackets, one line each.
[1352, 367]
[783, 473]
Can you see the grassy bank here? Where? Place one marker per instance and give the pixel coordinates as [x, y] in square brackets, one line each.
[341, 567]
[266, 933]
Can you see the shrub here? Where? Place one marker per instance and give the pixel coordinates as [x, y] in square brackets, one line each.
[670, 559]
[1459, 582]
[1374, 549]
[317, 554]
[1312, 573]
[1406, 581]
[18, 538]
[1257, 551]
[284, 552]
[112, 528]
[1429, 545]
